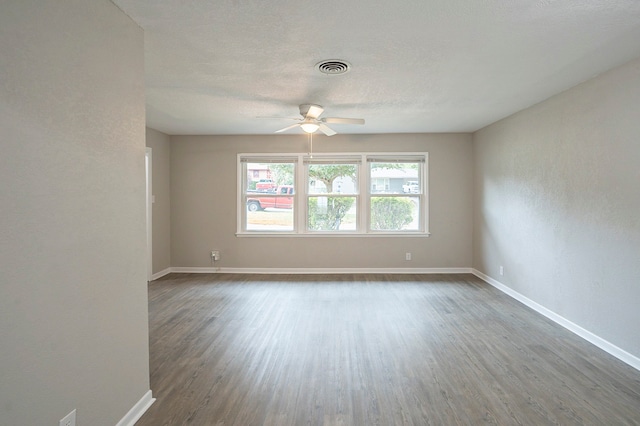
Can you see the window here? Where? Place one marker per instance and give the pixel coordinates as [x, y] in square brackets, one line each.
[344, 194]
[270, 202]
[379, 184]
[332, 194]
[396, 205]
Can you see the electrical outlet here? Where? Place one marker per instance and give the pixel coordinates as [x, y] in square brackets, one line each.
[215, 255]
[69, 419]
[501, 270]
[407, 256]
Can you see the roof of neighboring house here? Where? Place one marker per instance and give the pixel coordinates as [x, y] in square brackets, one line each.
[394, 173]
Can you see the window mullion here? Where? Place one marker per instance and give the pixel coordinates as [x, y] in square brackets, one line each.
[364, 187]
[241, 199]
[301, 199]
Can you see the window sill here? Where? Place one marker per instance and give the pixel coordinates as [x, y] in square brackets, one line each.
[333, 234]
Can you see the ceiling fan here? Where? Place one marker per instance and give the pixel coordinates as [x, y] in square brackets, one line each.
[311, 122]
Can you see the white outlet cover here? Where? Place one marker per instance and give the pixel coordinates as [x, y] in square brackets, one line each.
[69, 419]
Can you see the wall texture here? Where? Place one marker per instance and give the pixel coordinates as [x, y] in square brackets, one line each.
[161, 222]
[73, 295]
[557, 202]
[203, 206]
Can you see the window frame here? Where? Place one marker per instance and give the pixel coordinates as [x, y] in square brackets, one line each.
[241, 217]
[326, 159]
[399, 158]
[363, 194]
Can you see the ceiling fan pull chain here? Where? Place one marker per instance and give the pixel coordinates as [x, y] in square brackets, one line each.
[310, 145]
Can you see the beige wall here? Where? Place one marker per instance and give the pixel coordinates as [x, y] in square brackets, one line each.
[161, 168]
[73, 301]
[557, 203]
[203, 206]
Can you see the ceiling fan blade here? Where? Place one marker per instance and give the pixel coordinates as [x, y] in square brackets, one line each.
[262, 117]
[338, 120]
[314, 111]
[287, 128]
[326, 129]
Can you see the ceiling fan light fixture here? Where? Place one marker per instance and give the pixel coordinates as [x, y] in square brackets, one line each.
[309, 127]
[311, 121]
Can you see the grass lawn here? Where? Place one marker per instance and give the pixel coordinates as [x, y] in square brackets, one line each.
[284, 218]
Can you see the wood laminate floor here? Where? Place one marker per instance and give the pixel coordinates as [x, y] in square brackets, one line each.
[370, 350]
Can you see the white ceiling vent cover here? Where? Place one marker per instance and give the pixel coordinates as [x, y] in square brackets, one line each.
[333, 66]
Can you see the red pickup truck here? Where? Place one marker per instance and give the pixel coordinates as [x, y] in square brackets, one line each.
[263, 200]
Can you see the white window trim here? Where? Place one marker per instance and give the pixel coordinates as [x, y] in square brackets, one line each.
[363, 196]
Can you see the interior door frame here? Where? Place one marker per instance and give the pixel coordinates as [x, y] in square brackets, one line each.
[148, 162]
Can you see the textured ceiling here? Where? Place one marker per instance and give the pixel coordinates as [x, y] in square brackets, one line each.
[213, 67]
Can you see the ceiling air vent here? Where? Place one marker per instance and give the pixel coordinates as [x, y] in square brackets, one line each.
[333, 67]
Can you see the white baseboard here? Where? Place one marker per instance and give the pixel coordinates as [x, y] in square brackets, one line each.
[222, 270]
[137, 410]
[161, 274]
[603, 344]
